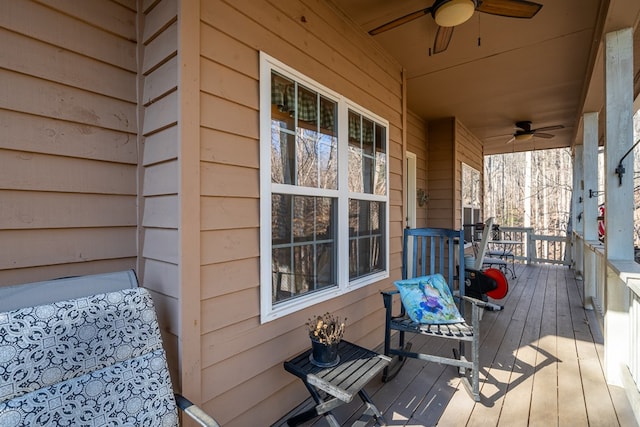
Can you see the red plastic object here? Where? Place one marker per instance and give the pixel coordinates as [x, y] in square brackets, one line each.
[503, 286]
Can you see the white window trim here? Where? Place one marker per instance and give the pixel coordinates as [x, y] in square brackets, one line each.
[268, 311]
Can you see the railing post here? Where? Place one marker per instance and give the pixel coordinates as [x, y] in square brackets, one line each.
[531, 249]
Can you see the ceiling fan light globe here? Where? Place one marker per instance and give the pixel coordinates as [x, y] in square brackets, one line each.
[454, 12]
[523, 136]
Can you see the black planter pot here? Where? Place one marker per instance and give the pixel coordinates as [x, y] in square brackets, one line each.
[323, 355]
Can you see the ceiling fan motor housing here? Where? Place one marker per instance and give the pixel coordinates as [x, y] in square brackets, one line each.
[449, 13]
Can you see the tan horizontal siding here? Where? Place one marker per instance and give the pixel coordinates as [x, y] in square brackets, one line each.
[226, 148]
[158, 19]
[225, 180]
[167, 309]
[161, 82]
[239, 274]
[228, 309]
[161, 212]
[68, 151]
[160, 244]
[417, 144]
[44, 98]
[161, 114]
[161, 179]
[242, 378]
[57, 28]
[40, 172]
[38, 134]
[39, 273]
[220, 213]
[162, 277]
[36, 58]
[40, 210]
[28, 248]
[223, 115]
[228, 84]
[104, 15]
[161, 146]
[227, 245]
[160, 49]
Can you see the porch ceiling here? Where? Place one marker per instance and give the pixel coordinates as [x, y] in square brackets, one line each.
[547, 69]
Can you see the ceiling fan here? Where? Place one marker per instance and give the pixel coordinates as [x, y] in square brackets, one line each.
[449, 13]
[525, 133]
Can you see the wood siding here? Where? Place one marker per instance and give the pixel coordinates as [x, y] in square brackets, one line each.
[243, 378]
[450, 144]
[159, 170]
[441, 173]
[98, 110]
[469, 151]
[417, 144]
[68, 145]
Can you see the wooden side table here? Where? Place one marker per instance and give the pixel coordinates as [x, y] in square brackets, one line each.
[341, 383]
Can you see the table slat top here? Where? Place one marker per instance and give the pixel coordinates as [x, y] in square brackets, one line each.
[357, 367]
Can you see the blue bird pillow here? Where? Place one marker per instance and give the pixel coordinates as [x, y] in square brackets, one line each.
[428, 299]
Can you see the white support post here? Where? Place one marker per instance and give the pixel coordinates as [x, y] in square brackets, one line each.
[590, 205]
[578, 207]
[618, 195]
[590, 162]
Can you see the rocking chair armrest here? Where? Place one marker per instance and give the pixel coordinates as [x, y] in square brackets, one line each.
[387, 297]
[195, 412]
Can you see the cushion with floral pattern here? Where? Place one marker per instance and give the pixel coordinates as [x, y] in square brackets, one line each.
[428, 299]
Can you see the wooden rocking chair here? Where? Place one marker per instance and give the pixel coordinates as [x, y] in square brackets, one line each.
[434, 252]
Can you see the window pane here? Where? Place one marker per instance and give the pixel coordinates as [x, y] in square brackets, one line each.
[307, 157]
[328, 159]
[281, 275]
[355, 170]
[303, 219]
[367, 137]
[325, 218]
[368, 173]
[354, 178]
[307, 107]
[281, 216]
[328, 113]
[282, 93]
[353, 218]
[303, 254]
[366, 240]
[380, 180]
[367, 163]
[282, 155]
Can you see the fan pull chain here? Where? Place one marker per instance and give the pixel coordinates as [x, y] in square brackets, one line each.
[478, 29]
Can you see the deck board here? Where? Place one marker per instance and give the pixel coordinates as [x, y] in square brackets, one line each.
[541, 361]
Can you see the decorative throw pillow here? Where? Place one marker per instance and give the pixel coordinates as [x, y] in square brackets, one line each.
[428, 299]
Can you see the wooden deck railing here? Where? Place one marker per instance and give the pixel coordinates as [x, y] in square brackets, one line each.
[537, 248]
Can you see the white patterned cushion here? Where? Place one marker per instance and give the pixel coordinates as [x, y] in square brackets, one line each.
[94, 361]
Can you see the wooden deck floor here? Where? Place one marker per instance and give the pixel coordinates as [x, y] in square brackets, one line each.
[541, 361]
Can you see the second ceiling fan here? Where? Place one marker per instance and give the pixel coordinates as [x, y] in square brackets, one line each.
[449, 13]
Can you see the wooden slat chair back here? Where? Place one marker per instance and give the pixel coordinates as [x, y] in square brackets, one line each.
[483, 255]
[432, 251]
[95, 358]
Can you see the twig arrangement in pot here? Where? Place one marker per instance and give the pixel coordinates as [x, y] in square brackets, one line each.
[325, 332]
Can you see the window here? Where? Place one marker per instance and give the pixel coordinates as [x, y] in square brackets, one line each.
[324, 192]
[470, 201]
